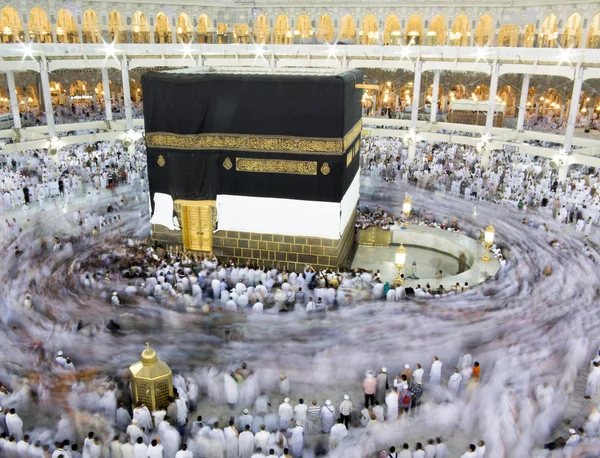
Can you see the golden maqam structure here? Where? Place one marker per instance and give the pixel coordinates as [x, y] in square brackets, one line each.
[151, 380]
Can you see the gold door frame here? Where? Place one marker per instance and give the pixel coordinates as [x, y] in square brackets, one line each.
[204, 225]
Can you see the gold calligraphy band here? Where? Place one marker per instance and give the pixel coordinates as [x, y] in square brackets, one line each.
[255, 143]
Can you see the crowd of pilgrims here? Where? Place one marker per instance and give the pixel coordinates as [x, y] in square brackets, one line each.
[262, 419]
[512, 179]
[37, 178]
[185, 282]
[551, 120]
[379, 218]
[257, 425]
[78, 110]
[365, 218]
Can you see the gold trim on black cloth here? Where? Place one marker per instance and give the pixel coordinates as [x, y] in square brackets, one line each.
[243, 164]
[352, 134]
[257, 143]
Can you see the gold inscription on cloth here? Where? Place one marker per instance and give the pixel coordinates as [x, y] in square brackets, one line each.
[259, 143]
[275, 166]
[352, 134]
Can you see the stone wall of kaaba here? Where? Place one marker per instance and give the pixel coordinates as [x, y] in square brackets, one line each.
[291, 252]
[287, 136]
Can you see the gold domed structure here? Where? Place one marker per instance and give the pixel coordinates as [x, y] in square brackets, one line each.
[151, 380]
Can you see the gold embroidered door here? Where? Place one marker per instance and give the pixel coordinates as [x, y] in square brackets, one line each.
[197, 223]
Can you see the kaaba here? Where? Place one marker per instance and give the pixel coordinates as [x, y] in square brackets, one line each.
[254, 167]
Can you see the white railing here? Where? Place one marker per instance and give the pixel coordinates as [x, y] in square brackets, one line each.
[589, 153]
[511, 60]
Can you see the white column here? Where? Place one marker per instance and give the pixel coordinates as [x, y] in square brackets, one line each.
[489, 120]
[574, 109]
[523, 102]
[584, 36]
[106, 88]
[174, 34]
[412, 152]
[414, 117]
[126, 93]
[435, 93]
[47, 97]
[14, 103]
[563, 170]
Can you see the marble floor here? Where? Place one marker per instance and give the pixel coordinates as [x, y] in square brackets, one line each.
[428, 262]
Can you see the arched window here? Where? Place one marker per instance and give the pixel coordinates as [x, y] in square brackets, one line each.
[27, 98]
[185, 31]
[436, 35]
[66, 28]
[550, 102]
[593, 38]
[571, 37]
[347, 31]
[303, 30]
[283, 34]
[39, 27]
[140, 30]
[369, 32]
[91, 27]
[461, 32]
[58, 94]
[11, 28]
[484, 33]
[549, 32]
[162, 30]
[506, 96]
[116, 28]
[481, 93]
[392, 34]
[204, 32]
[325, 31]
[414, 30]
[78, 88]
[262, 31]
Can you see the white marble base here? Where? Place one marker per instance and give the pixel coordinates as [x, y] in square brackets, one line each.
[426, 246]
